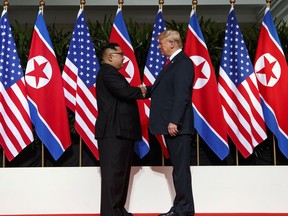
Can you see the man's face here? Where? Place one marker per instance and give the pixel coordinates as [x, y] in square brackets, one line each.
[165, 47]
[117, 57]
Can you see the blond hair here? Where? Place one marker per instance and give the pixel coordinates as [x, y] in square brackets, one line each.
[171, 35]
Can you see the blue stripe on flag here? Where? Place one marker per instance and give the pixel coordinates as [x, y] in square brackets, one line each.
[214, 142]
[272, 124]
[44, 133]
[120, 24]
[41, 26]
[141, 148]
[268, 21]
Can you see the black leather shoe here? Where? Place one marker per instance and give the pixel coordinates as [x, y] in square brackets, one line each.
[125, 213]
[170, 213]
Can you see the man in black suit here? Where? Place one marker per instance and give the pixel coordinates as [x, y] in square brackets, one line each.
[117, 128]
[171, 115]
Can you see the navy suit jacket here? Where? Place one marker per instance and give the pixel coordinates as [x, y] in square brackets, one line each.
[171, 97]
[118, 114]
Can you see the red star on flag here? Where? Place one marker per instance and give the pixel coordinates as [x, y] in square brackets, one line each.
[268, 70]
[38, 71]
[124, 71]
[200, 74]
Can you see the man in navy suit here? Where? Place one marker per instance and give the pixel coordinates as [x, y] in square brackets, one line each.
[171, 115]
[117, 128]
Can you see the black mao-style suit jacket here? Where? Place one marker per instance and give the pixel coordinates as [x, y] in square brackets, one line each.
[118, 113]
[171, 97]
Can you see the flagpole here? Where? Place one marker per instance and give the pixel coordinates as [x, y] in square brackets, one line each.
[274, 152]
[232, 2]
[274, 144]
[268, 3]
[3, 159]
[194, 4]
[41, 5]
[197, 149]
[42, 155]
[80, 150]
[82, 4]
[120, 4]
[237, 157]
[6, 4]
[161, 3]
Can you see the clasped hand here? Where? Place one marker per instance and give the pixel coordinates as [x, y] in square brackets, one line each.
[143, 90]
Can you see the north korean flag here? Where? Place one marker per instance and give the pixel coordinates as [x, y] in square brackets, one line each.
[272, 75]
[130, 71]
[45, 92]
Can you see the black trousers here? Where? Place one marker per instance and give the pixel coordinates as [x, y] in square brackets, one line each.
[179, 151]
[116, 156]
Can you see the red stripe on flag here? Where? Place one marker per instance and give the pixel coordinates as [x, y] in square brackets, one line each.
[70, 89]
[15, 119]
[235, 118]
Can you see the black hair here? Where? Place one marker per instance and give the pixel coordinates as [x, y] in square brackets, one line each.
[110, 45]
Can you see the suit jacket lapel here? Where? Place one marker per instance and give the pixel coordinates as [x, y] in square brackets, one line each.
[162, 72]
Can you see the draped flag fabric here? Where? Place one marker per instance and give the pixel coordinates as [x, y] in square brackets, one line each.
[154, 63]
[208, 115]
[272, 74]
[79, 81]
[239, 91]
[130, 71]
[15, 122]
[45, 92]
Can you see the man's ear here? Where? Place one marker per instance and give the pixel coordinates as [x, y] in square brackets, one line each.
[110, 58]
[172, 44]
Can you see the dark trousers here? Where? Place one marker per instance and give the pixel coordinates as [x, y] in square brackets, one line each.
[179, 151]
[115, 164]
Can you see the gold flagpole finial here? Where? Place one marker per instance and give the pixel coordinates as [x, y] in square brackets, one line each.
[161, 3]
[82, 4]
[268, 3]
[6, 4]
[41, 5]
[232, 2]
[120, 3]
[194, 4]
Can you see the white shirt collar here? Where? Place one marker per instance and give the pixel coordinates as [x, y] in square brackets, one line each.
[174, 54]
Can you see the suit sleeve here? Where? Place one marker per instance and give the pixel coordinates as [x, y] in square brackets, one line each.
[120, 88]
[182, 95]
[148, 94]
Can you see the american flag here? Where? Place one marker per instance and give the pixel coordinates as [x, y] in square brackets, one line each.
[79, 81]
[154, 63]
[130, 71]
[208, 124]
[15, 122]
[45, 92]
[239, 91]
[272, 74]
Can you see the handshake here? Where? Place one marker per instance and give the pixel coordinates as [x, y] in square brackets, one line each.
[143, 90]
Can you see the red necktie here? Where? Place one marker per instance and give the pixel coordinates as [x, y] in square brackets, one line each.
[166, 63]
